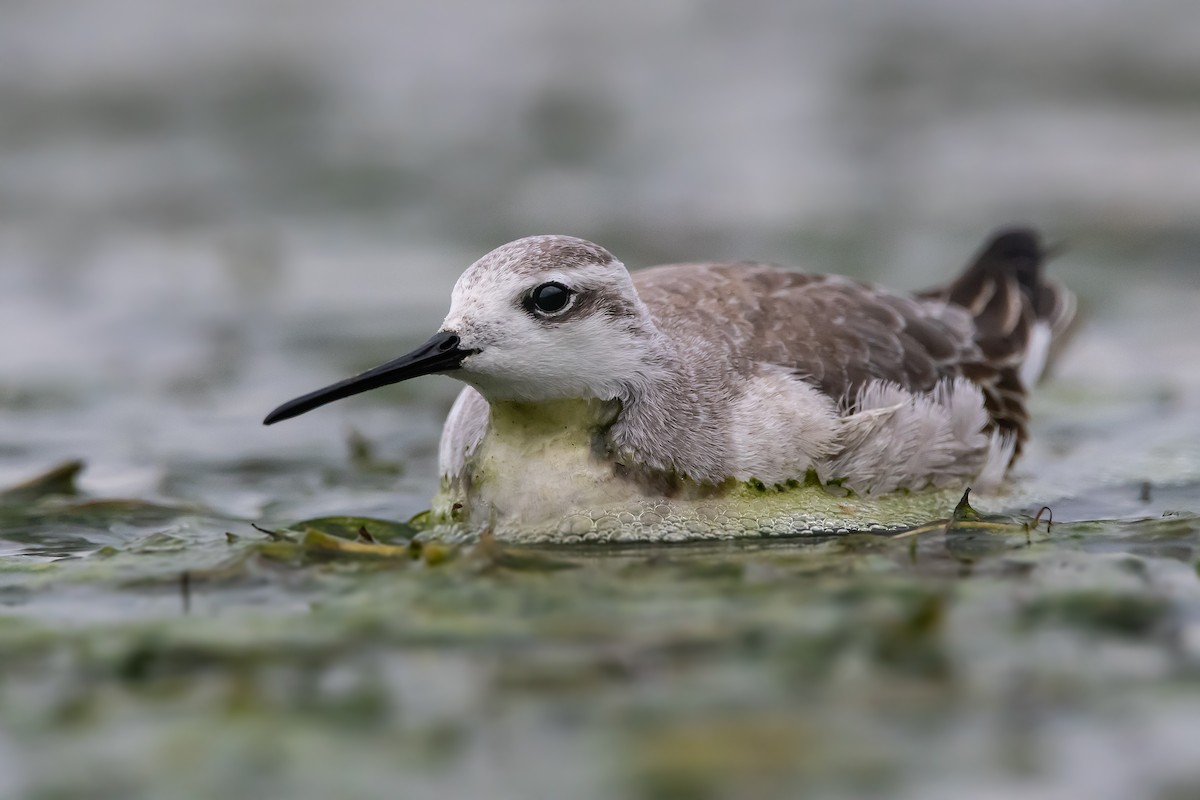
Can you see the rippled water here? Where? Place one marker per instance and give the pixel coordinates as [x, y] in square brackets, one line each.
[206, 212]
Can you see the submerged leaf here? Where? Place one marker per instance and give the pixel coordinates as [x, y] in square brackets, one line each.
[493, 554]
[434, 553]
[528, 562]
[1121, 614]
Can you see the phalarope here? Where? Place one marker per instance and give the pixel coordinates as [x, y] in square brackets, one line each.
[722, 399]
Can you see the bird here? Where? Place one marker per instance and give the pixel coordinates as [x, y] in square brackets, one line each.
[715, 399]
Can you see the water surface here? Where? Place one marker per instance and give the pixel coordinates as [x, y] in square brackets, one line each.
[204, 214]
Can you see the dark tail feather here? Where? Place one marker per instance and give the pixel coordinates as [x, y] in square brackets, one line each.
[1021, 319]
[1007, 294]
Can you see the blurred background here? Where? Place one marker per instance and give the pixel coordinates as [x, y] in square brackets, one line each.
[207, 210]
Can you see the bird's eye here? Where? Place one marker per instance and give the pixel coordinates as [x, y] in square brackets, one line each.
[550, 298]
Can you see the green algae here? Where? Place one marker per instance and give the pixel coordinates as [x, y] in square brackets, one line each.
[719, 668]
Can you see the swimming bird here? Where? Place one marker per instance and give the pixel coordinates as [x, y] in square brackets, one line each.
[722, 398]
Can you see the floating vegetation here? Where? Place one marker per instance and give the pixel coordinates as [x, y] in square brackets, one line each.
[708, 669]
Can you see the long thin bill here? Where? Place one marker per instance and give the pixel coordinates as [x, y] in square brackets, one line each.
[440, 354]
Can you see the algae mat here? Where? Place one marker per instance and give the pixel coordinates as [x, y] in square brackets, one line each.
[339, 658]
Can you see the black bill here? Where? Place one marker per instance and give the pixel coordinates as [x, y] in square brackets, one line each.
[439, 354]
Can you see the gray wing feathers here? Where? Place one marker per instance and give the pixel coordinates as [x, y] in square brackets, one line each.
[834, 332]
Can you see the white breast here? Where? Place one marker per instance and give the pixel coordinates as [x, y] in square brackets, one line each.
[780, 428]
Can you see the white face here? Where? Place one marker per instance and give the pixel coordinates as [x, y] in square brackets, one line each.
[552, 318]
